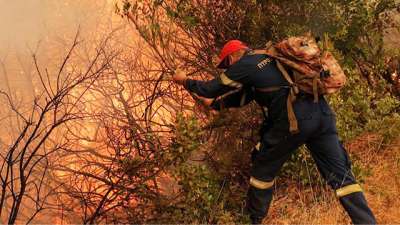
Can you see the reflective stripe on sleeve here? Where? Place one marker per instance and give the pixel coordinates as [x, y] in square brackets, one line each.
[349, 189]
[260, 184]
[227, 81]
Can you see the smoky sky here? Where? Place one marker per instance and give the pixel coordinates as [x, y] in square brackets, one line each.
[24, 22]
[44, 27]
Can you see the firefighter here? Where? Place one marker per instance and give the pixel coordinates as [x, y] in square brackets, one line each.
[246, 75]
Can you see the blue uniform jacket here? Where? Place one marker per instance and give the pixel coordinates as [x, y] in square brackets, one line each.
[237, 85]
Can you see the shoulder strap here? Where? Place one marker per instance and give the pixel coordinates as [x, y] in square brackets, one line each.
[264, 51]
[259, 52]
[294, 90]
[287, 76]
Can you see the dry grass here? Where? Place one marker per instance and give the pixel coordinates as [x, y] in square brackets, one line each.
[317, 205]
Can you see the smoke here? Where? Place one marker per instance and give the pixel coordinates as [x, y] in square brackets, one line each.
[45, 27]
[24, 23]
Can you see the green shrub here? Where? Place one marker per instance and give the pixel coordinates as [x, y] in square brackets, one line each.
[204, 195]
[356, 30]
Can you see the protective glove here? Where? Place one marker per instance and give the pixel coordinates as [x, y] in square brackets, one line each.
[179, 76]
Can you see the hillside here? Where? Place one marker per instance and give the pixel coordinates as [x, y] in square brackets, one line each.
[296, 204]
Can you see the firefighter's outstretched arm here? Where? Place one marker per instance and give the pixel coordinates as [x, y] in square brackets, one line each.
[234, 99]
[215, 93]
[235, 77]
[208, 89]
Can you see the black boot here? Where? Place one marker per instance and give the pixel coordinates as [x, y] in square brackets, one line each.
[258, 202]
[357, 208]
[256, 220]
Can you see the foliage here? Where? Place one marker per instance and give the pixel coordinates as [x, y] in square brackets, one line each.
[190, 33]
[186, 140]
[358, 108]
[300, 167]
[203, 194]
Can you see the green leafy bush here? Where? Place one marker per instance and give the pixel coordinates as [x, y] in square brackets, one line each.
[354, 30]
[204, 196]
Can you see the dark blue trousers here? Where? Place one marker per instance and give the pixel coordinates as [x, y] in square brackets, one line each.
[318, 132]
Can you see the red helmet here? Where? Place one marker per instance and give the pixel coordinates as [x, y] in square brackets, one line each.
[229, 48]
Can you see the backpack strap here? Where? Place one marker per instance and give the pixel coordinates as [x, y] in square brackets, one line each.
[287, 77]
[294, 90]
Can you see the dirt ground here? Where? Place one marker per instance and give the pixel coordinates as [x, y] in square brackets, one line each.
[294, 204]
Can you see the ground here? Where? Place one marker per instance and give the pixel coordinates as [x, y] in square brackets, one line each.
[379, 167]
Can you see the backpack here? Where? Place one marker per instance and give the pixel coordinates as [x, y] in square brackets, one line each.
[313, 71]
